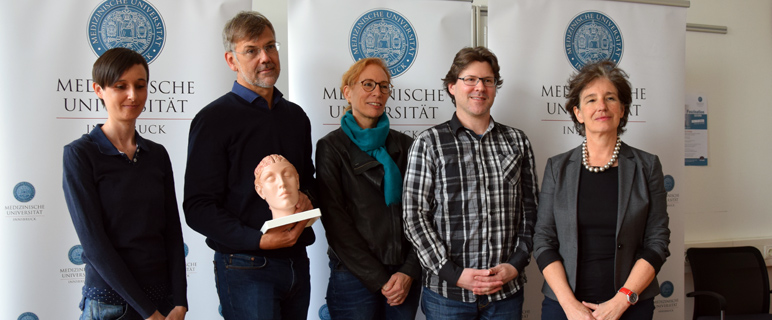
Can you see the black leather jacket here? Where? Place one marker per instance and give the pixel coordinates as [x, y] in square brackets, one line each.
[362, 232]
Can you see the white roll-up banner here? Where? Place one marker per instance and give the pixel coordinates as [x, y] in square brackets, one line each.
[416, 39]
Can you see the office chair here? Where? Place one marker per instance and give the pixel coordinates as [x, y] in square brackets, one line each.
[729, 283]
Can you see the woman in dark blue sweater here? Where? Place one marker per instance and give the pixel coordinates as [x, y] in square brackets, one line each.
[119, 190]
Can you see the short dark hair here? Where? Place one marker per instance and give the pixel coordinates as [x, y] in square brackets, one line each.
[466, 56]
[588, 73]
[109, 67]
[245, 25]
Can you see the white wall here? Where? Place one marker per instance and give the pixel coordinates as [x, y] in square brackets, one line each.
[728, 198]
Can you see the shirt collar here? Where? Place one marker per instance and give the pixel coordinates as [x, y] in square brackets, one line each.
[252, 97]
[455, 125]
[106, 147]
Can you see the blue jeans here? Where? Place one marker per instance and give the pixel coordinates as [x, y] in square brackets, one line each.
[643, 310]
[95, 310]
[437, 307]
[348, 298]
[254, 287]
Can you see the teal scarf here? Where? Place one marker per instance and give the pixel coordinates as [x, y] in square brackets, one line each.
[373, 142]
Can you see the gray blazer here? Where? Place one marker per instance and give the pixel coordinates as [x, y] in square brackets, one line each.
[642, 221]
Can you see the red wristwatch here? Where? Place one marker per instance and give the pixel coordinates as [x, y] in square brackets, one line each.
[632, 297]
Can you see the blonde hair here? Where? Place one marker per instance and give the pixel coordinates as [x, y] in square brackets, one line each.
[356, 69]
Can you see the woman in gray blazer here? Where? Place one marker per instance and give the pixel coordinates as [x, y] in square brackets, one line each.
[602, 230]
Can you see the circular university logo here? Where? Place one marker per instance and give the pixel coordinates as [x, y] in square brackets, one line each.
[28, 316]
[385, 34]
[24, 191]
[590, 37]
[669, 183]
[134, 24]
[666, 289]
[76, 255]
[185, 245]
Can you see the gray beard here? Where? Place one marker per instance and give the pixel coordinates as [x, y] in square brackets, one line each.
[256, 82]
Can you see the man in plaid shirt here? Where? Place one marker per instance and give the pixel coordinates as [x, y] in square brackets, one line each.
[469, 201]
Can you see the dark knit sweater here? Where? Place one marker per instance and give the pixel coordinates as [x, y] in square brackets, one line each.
[228, 138]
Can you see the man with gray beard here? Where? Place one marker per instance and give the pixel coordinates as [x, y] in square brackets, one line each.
[258, 275]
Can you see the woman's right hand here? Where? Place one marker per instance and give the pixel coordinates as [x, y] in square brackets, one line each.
[555, 275]
[156, 316]
[575, 310]
[178, 313]
[397, 288]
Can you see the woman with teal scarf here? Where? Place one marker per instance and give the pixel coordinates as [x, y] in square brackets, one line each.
[360, 167]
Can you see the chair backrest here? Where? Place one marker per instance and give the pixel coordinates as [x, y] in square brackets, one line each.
[737, 273]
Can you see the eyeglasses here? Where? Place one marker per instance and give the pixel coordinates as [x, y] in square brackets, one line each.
[369, 86]
[251, 52]
[472, 81]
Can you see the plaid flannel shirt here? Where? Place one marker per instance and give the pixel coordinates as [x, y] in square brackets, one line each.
[470, 202]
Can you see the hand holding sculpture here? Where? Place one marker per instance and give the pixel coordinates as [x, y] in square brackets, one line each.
[278, 183]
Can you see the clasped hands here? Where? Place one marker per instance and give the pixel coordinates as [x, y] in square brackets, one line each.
[608, 310]
[487, 281]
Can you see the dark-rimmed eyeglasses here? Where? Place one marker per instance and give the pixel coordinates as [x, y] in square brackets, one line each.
[251, 52]
[472, 81]
[369, 86]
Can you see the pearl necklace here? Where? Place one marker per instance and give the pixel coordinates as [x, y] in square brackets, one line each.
[585, 156]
